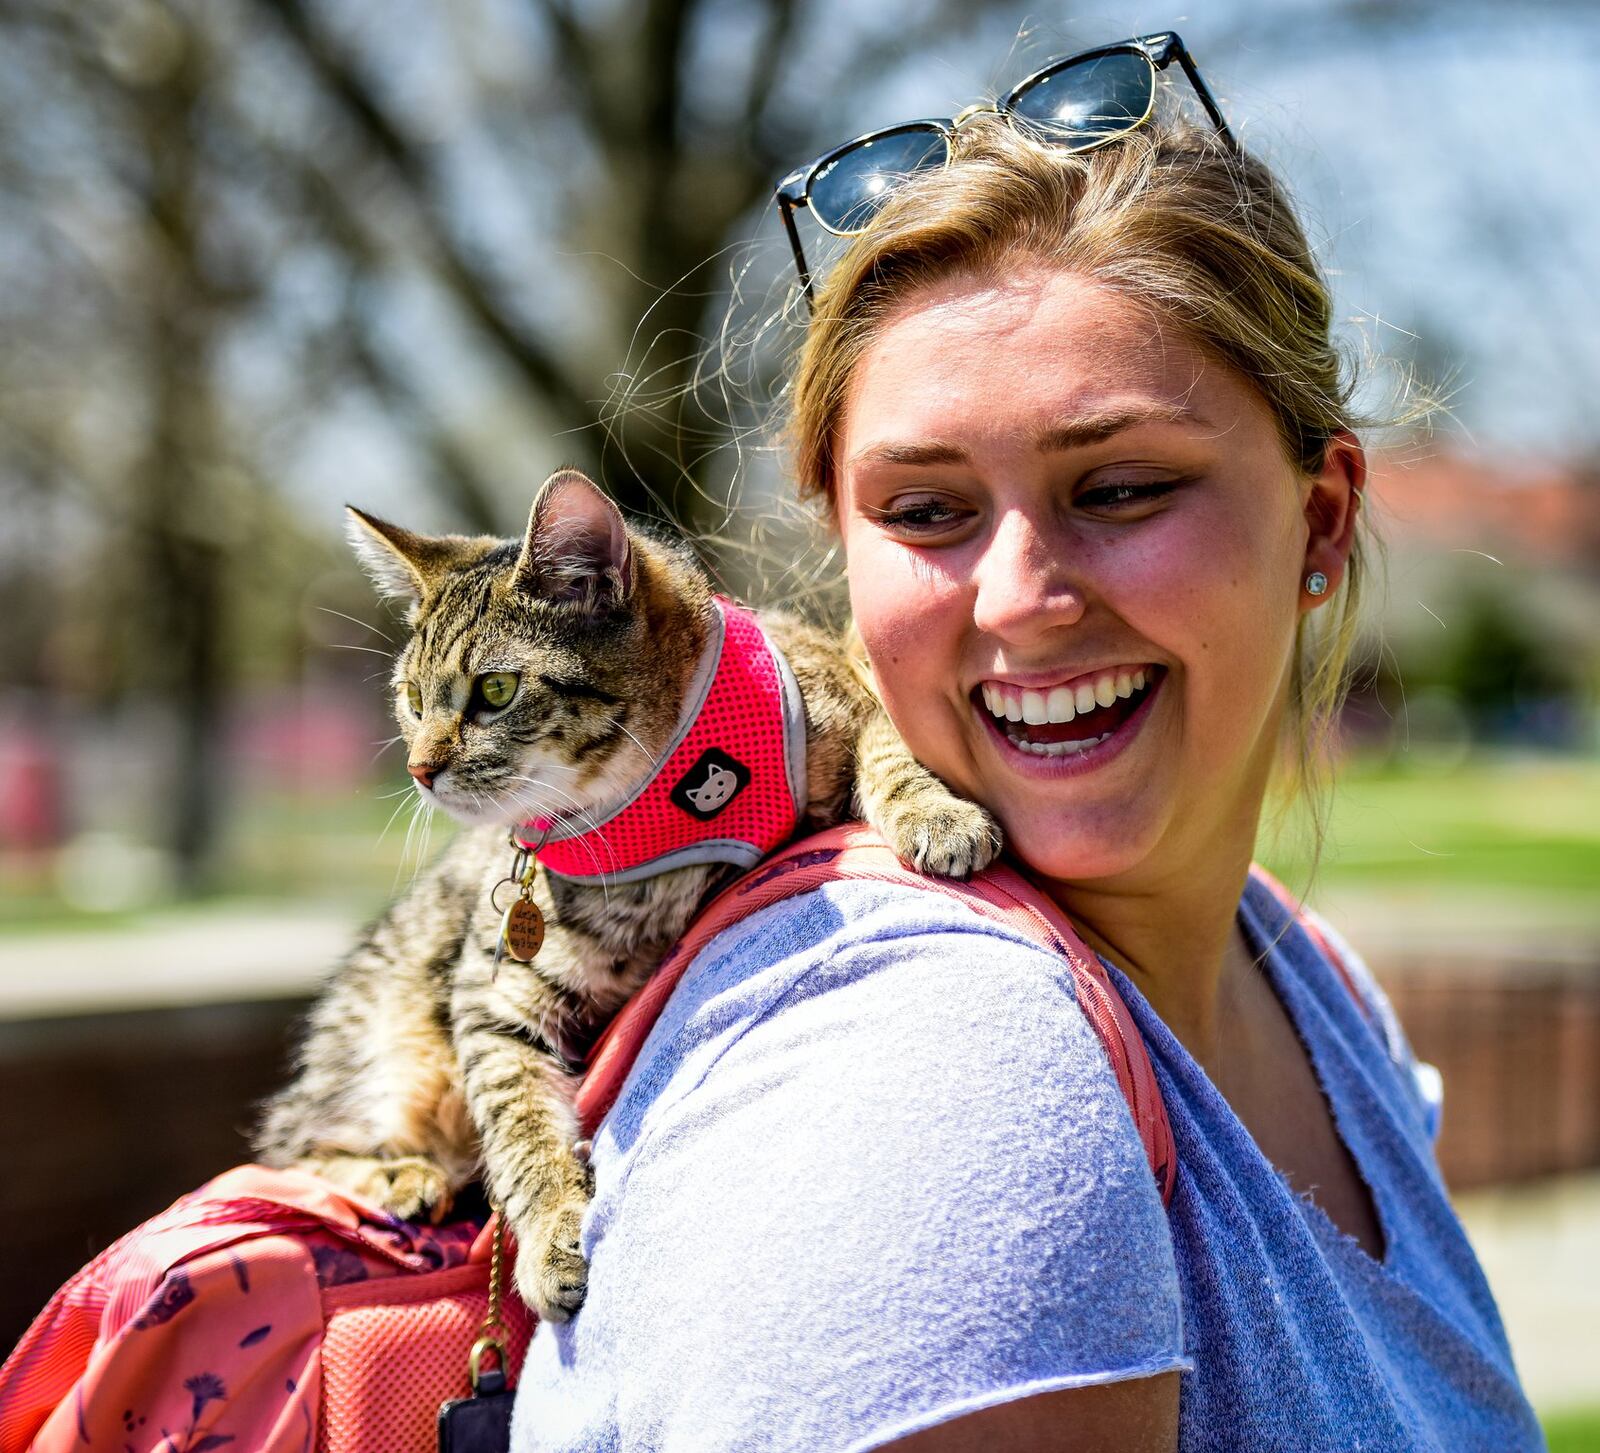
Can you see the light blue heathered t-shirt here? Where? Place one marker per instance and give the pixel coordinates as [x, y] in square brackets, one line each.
[872, 1171]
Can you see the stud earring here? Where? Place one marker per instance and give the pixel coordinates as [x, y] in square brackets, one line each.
[1316, 583]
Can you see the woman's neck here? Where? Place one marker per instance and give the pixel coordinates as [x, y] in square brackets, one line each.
[1176, 937]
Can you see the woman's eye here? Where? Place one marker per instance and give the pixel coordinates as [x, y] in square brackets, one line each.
[927, 516]
[1125, 495]
[414, 699]
[497, 688]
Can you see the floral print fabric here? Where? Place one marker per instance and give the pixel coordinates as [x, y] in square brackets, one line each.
[204, 1328]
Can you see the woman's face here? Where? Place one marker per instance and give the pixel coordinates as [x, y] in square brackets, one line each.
[1076, 551]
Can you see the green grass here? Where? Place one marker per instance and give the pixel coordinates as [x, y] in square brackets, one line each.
[350, 844]
[1577, 1431]
[1496, 824]
[1505, 826]
[347, 845]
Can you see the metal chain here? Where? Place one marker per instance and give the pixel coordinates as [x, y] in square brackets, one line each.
[497, 1249]
[492, 1334]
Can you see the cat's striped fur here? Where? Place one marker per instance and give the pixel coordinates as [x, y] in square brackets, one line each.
[421, 1069]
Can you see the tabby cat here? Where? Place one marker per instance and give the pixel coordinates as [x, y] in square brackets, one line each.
[542, 678]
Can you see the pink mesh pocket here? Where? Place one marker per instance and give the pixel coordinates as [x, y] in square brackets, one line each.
[396, 1348]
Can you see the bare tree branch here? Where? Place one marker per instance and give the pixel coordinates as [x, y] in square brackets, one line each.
[576, 60]
[537, 364]
[769, 60]
[453, 466]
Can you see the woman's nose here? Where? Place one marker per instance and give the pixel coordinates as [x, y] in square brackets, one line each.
[1026, 583]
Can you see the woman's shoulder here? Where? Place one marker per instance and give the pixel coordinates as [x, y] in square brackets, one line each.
[866, 959]
[859, 923]
[871, 1012]
[866, 1107]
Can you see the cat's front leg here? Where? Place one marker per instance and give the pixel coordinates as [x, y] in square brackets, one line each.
[375, 1106]
[412, 1187]
[926, 824]
[521, 1098]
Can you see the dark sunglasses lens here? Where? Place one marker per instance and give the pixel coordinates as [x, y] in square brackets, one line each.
[1090, 101]
[849, 189]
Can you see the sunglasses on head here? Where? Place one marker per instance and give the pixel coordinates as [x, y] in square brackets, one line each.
[1078, 103]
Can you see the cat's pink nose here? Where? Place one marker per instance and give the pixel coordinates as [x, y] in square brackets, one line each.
[425, 772]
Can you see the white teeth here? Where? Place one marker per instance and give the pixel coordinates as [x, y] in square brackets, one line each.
[1061, 703]
[1058, 749]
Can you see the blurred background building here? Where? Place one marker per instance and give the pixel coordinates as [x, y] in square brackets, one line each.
[260, 257]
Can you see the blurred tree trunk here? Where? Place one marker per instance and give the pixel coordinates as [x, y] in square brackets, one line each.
[176, 569]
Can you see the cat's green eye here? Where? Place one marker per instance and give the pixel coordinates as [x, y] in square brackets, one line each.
[497, 688]
[414, 698]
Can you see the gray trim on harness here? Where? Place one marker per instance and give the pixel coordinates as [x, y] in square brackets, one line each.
[794, 730]
[714, 850]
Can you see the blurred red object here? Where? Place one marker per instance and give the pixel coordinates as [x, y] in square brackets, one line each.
[31, 791]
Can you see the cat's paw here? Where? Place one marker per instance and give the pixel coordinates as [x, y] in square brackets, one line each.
[411, 1187]
[552, 1275]
[947, 836]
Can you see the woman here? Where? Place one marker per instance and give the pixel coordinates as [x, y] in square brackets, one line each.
[1079, 424]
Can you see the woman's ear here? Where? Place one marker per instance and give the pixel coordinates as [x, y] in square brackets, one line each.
[1331, 507]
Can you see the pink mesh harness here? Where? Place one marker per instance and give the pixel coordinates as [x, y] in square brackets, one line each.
[730, 785]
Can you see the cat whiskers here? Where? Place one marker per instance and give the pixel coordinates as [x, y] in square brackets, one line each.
[644, 751]
[365, 625]
[399, 807]
[422, 850]
[543, 810]
[383, 747]
[576, 810]
[421, 811]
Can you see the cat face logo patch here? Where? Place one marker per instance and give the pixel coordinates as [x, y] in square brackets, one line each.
[711, 784]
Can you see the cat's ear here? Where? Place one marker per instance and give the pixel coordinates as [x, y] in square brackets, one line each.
[401, 563]
[576, 550]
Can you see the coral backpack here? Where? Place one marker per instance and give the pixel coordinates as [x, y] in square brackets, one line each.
[270, 1312]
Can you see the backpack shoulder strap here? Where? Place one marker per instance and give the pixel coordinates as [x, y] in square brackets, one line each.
[1317, 932]
[856, 853]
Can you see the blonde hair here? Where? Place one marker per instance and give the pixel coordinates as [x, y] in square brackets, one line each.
[1170, 216]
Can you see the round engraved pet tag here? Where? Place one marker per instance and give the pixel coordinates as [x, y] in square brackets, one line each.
[522, 930]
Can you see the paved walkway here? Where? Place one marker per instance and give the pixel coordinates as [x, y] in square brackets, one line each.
[1456, 925]
[1540, 1248]
[205, 955]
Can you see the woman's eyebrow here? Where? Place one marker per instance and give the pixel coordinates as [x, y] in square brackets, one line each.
[1072, 433]
[1101, 424]
[910, 454]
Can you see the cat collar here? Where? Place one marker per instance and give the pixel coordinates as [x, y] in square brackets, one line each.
[729, 787]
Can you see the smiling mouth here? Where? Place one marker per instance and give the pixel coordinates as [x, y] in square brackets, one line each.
[1069, 718]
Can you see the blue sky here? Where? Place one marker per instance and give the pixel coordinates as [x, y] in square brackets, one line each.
[1447, 159]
